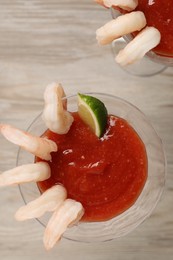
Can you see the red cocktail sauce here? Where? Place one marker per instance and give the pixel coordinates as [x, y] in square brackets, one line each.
[159, 13]
[106, 175]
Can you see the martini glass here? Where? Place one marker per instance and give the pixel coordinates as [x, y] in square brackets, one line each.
[150, 195]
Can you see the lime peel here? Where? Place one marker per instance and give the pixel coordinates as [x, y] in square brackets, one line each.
[93, 112]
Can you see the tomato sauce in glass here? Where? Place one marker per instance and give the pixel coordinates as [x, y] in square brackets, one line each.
[106, 175]
[159, 13]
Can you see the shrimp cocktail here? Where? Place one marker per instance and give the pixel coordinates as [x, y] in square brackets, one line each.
[149, 24]
[98, 167]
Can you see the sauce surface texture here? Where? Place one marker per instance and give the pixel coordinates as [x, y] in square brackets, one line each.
[159, 13]
[106, 175]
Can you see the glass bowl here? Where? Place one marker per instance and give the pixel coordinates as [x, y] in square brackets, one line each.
[151, 64]
[149, 197]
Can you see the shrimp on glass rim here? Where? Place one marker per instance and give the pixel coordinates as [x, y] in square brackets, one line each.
[55, 114]
[128, 23]
[50, 200]
[123, 25]
[127, 5]
[146, 40]
[69, 213]
[40, 147]
[26, 173]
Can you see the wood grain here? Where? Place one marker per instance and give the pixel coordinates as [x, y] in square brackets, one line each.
[42, 41]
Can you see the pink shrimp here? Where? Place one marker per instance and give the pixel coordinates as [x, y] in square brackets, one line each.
[41, 147]
[69, 213]
[120, 26]
[145, 41]
[55, 114]
[127, 5]
[25, 173]
[50, 200]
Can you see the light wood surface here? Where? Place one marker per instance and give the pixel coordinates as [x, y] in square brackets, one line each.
[46, 40]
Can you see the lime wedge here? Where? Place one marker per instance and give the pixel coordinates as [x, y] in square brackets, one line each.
[93, 112]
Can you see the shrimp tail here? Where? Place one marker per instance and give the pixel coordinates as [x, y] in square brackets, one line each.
[100, 2]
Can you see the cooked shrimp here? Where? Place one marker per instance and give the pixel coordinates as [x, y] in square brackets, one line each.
[127, 5]
[50, 200]
[69, 213]
[25, 173]
[145, 41]
[55, 115]
[120, 26]
[41, 147]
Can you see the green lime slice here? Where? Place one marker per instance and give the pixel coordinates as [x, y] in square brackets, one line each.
[93, 112]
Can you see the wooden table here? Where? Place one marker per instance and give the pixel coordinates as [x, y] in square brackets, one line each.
[43, 41]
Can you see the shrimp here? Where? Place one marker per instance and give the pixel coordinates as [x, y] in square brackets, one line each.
[69, 213]
[50, 200]
[122, 25]
[55, 115]
[146, 40]
[127, 5]
[25, 173]
[41, 147]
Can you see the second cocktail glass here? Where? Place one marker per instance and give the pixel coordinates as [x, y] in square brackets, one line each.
[150, 65]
